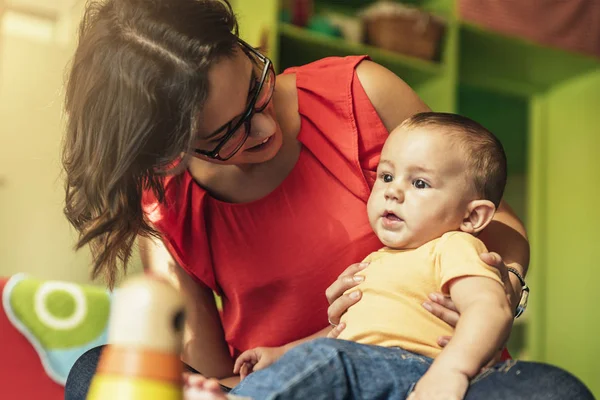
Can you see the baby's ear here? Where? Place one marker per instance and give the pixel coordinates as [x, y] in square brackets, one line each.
[479, 214]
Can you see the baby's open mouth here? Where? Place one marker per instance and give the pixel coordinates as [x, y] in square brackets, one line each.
[391, 216]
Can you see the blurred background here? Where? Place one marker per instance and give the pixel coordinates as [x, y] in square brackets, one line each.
[528, 70]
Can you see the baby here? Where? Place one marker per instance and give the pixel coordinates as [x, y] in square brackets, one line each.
[439, 181]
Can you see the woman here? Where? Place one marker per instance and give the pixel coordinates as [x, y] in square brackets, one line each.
[180, 136]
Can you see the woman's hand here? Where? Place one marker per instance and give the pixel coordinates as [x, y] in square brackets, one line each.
[512, 295]
[340, 302]
[443, 307]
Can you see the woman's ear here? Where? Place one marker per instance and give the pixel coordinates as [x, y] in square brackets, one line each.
[479, 214]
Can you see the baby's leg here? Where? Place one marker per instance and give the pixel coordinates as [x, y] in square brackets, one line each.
[201, 388]
[336, 369]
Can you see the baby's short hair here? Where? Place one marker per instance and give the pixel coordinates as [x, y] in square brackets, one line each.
[486, 160]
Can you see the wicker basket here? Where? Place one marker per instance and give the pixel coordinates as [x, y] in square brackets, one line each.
[406, 30]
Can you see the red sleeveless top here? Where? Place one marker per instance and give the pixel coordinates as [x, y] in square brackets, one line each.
[272, 259]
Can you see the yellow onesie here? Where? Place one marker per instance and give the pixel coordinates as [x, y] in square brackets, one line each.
[397, 282]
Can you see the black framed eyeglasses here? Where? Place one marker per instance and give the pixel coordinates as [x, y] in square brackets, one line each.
[237, 130]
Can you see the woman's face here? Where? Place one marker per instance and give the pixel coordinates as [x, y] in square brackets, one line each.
[232, 82]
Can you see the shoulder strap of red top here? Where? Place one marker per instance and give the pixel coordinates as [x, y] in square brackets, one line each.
[339, 124]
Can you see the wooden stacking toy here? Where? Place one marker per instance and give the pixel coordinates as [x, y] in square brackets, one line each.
[142, 360]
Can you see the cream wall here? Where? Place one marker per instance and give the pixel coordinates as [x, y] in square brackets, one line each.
[34, 234]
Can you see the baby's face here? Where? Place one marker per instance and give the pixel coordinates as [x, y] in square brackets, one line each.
[422, 189]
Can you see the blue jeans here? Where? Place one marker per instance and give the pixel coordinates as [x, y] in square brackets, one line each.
[82, 372]
[338, 369]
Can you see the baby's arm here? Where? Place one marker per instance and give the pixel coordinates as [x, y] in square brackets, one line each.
[485, 317]
[484, 325]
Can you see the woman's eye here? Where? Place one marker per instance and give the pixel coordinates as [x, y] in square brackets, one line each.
[255, 83]
[420, 184]
[253, 88]
[217, 139]
[387, 178]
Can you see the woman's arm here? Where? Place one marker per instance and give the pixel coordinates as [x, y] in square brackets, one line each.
[506, 236]
[392, 98]
[204, 347]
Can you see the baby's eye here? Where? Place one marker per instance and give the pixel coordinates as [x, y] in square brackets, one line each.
[420, 184]
[387, 177]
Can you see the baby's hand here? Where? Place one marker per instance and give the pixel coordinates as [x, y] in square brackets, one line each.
[441, 384]
[336, 330]
[256, 359]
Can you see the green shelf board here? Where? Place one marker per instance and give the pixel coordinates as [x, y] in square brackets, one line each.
[299, 46]
[513, 65]
[352, 7]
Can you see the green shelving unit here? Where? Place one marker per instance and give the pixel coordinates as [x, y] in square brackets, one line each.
[544, 104]
[300, 46]
[512, 65]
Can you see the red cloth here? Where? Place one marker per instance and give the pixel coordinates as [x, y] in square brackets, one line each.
[272, 259]
[22, 376]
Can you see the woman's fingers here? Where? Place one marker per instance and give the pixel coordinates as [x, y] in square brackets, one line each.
[443, 301]
[338, 301]
[495, 260]
[443, 307]
[347, 279]
[448, 315]
[339, 306]
[442, 341]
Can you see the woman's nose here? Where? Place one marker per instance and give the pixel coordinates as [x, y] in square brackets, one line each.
[262, 126]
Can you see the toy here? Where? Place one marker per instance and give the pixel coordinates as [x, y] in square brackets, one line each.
[142, 359]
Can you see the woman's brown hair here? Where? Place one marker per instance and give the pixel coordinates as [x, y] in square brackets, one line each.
[137, 82]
